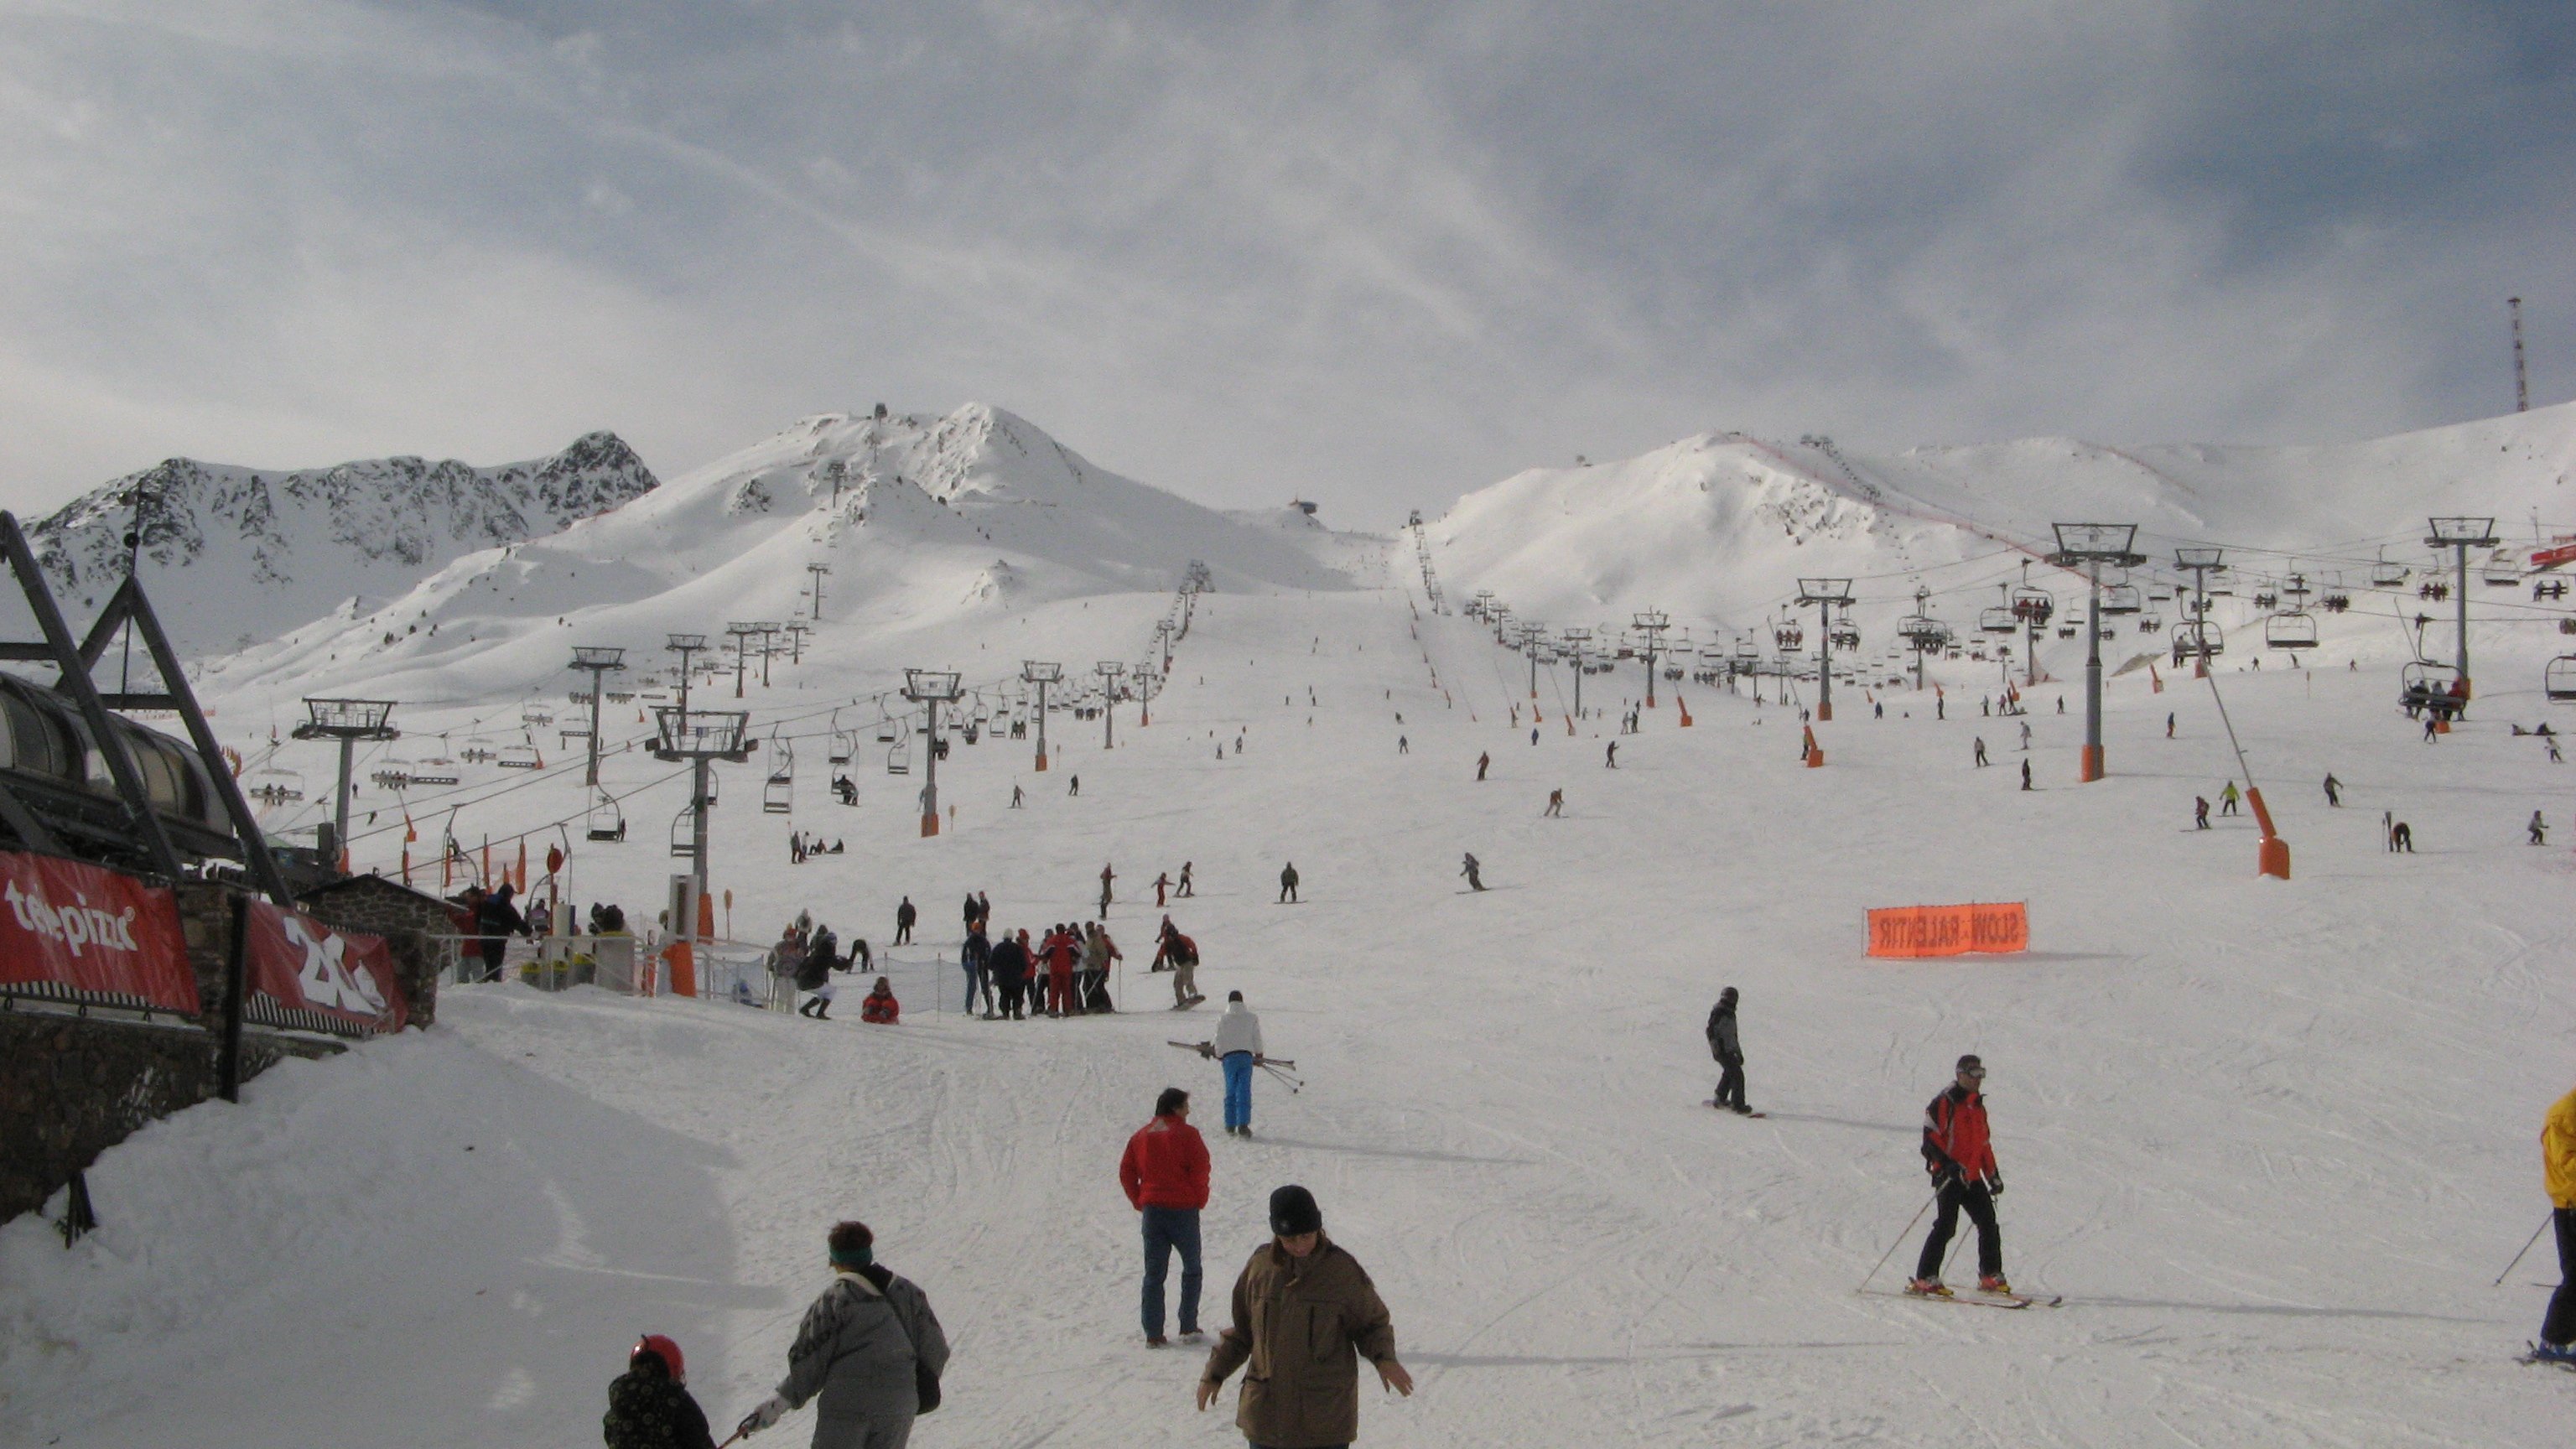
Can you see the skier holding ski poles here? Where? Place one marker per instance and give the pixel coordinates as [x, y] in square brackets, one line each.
[2558, 1174]
[1958, 1151]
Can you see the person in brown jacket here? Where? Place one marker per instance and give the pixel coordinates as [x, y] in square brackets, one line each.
[1305, 1314]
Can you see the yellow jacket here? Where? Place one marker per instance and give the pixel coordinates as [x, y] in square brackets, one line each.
[2558, 1151]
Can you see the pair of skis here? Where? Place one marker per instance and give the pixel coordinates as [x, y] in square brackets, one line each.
[1275, 1066]
[1973, 1296]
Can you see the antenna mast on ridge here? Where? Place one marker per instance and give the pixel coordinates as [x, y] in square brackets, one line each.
[2521, 389]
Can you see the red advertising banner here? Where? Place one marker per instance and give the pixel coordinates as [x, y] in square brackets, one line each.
[91, 929]
[304, 965]
[1949, 930]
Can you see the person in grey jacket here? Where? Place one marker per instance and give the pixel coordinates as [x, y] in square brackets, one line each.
[1729, 1051]
[868, 1348]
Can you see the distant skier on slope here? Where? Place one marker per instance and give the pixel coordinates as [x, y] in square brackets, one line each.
[2334, 790]
[1728, 1048]
[904, 916]
[1610, 760]
[2227, 799]
[1474, 882]
[1288, 884]
[1483, 762]
[2539, 829]
[1958, 1151]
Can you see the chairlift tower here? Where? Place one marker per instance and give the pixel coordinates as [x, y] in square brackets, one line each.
[699, 740]
[1109, 671]
[796, 631]
[2201, 562]
[2460, 535]
[1576, 637]
[2090, 546]
[1533, 637]
[684, 645]
[1652, 623]
[1146, 678]
[740, 632]
[931, 689]
[818, 570]
[769, 630]
[1042, 673]
[598, 661]
[1826, 595]
[348, 721]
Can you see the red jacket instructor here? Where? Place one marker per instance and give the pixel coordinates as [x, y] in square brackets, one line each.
[1959, 1152]
[1165, 1174]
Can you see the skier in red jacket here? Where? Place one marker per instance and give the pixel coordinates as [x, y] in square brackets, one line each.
[1959, 1153]
[1165, 1174]
[1059, 949]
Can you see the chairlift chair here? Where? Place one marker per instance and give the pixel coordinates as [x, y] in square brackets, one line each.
[521, 756]
[606, 823]
[886, 730]
[2267, 598]
[778, 794]
[899, 758]
[2425, 685]
[2501, 572]
[683, 837]
[2385, 574]
[2559, 682]
[1845, 634]
[2122, 599]
[2290, 629]
[1998, 620]
[537, 714]
[2150, 623]
[2192, 637]
[271, 785]
[2549, 589]
[2033, 604]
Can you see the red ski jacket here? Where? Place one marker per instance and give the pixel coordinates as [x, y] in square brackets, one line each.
[1165, 1166]
[882, 1010]
[1955, 1135]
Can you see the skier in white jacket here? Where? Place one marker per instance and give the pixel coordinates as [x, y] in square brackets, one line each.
[1238, 1047]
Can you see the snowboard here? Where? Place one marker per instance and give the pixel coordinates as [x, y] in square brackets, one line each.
[1186, 1005]
[2532, 1356]
[1730, 1111]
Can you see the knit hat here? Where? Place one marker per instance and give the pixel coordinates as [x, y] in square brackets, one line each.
[1969, 1061]
[1293, 1211]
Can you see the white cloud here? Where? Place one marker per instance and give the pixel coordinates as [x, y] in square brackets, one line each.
[1373, 255]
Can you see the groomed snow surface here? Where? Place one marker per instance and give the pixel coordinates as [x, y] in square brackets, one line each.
[2272, 1140]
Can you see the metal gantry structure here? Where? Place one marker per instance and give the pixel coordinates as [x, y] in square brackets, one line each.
[1826, 595]
[2193, 640]
[347, 721]
[699, 739]
[1042, 673]
[2087, 547]
[741, 632]
[1651, 623]
[933, 690]
[2460, 535]
[1109, 671]
[598, 661]
[1576, 639]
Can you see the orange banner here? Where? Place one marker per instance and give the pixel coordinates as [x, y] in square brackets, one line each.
[1949, 930]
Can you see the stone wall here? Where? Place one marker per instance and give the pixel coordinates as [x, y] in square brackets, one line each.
[419, 929]
[71, 1087]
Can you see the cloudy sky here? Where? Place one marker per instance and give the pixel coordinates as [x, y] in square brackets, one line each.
[1369, 254]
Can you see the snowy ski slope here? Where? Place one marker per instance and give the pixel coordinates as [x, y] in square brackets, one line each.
[2271, 1139]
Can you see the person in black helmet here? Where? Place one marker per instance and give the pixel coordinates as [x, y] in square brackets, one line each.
[1305, 1314]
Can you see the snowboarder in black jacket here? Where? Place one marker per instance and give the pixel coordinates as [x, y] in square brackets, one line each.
[904, 916]
[648, 1407]
[1729, 1051]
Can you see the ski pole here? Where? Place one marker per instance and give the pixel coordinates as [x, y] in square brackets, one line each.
[2526, 1247]
[1900, 1241]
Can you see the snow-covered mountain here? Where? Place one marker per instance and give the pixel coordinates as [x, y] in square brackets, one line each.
[234, 555]
[1716, 529]
[919, 519]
